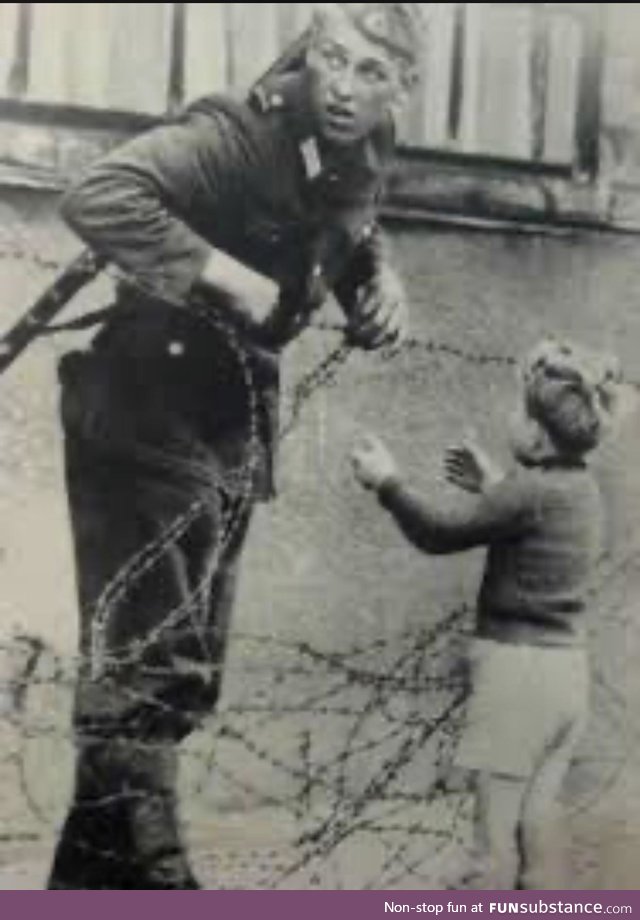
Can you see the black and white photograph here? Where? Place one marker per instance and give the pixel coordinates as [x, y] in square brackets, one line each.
[319, 433]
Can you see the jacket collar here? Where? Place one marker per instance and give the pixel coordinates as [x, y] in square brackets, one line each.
[287, 93]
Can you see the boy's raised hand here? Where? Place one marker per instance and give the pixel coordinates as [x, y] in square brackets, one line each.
[468, 467]
[373, 463]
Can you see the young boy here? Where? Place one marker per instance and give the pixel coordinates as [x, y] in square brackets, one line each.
[541, 522]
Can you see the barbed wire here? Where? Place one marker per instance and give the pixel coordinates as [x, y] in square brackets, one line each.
[327, 776]
[374, 807]
[324, 373]
[332, 800]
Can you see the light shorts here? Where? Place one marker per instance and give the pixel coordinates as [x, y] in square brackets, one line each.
[524, 699]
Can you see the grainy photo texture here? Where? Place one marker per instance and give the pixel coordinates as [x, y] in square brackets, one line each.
[319, 509]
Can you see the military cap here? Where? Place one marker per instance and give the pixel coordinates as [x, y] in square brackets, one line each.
[398, 27]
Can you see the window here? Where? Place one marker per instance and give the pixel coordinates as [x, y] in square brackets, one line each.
[135, 57]
[518, 82]
[512, 80]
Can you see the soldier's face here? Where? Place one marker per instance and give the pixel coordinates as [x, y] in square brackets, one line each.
[354, 83]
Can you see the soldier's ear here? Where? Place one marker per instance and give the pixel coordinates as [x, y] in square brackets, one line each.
[410, 78]
[406, 81]
[400, 99]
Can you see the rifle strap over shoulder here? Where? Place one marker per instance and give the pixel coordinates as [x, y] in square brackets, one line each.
[36, 320]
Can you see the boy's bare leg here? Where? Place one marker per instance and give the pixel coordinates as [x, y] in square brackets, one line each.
[542, 845]
[498, 809]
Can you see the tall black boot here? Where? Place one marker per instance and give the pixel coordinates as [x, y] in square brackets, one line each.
[122, 831]
[158, 855]
[94, 847]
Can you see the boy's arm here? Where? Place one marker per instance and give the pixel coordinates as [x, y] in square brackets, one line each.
[498, 514]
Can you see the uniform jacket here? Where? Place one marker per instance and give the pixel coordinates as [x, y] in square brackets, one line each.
[247, 178]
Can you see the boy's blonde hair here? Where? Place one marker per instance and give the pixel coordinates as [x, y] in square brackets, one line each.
[571, 393]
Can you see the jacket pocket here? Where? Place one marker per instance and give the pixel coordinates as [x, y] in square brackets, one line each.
[99, 401]
[83, 396]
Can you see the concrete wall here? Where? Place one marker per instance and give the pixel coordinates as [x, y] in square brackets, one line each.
[621, 109]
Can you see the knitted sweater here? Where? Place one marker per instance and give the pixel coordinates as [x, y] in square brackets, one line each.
[542, 526]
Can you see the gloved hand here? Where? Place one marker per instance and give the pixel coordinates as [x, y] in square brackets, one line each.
[380, 315]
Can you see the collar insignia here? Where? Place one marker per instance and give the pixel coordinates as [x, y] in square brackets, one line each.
[311, 157]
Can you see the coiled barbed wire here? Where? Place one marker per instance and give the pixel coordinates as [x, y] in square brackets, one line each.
[409, 735]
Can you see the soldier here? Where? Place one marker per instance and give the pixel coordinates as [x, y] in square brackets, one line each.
[230, 226]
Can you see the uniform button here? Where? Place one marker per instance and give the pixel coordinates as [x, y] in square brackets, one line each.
[367, 233]
[277, 101]
[176, 349]
[317, 271]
